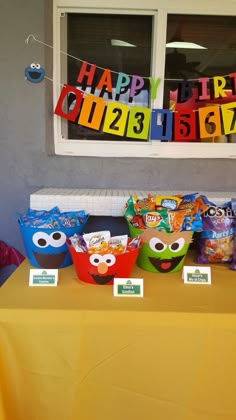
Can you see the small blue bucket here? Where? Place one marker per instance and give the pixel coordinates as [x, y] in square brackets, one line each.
[47, 248]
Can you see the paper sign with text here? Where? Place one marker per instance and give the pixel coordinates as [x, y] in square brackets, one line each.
[43, 277]
[196, 275]
[126, 287]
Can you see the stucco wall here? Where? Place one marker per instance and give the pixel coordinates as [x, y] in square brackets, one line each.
[26, 123]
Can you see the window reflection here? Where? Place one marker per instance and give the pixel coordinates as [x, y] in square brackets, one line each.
[121, 43]
[214, 54]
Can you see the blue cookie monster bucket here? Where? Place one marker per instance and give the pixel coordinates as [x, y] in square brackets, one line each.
[47, 247]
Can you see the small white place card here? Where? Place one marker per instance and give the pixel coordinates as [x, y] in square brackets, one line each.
[43, 277]
[196, 275]
[127, 287]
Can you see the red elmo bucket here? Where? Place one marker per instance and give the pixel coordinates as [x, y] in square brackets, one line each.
[101, 269]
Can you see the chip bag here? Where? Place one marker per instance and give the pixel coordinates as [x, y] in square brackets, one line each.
[233, 265]
[216, 239]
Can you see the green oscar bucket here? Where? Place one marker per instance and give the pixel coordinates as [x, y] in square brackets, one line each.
[161, 252]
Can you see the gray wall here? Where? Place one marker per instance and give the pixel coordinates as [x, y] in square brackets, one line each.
[26, 122]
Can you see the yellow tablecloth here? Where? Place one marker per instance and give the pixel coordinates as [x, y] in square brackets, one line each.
[75, 352]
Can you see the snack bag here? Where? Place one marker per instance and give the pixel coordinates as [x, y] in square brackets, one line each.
[97, 242]
[42, 213]
[146, 203]
[176, 219]
[50, 219]
[216, 239]
[156, 219]
[137, 222]
[78, 243]
[193, 207]
[118, 244]
[170, 202]
[233, 265]
[129, 211]
[133, 243]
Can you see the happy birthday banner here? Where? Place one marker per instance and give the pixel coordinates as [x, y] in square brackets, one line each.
[143, 123]
[136, 122]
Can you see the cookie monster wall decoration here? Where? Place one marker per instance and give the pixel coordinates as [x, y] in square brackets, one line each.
[163, 252]
[34, 73]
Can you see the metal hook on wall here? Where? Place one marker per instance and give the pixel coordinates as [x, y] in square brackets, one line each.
[28, 39]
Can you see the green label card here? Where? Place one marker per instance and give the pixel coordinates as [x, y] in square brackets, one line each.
[43, 277]
[126, 287]
[197, 275]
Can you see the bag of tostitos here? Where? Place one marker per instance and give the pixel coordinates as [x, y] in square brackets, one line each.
[216, 243]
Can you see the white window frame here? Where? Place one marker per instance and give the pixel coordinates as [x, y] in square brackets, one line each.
[159, 9]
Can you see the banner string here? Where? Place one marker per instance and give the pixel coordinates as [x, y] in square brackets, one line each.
[71, 56]
[31, 36]
[205, 114]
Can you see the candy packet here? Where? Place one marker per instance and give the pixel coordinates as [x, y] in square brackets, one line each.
[133, 243]
[78, 243]
[41, 213]
[49, 219]
[71, 219]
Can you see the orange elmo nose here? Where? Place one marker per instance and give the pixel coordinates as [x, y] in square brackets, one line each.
[102, 268]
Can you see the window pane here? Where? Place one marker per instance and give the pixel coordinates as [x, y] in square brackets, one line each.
[120, 43]
[212, 52]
